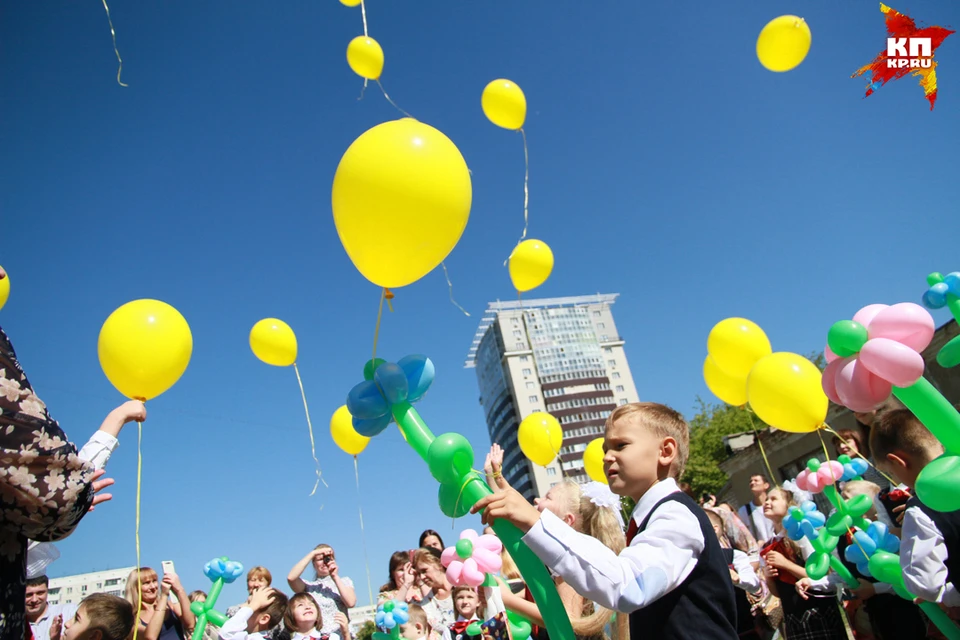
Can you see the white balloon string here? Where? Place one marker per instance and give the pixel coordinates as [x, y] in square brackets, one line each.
[313, 446]
[390, 100]
[450, 288]
[526, 194]
[113, 35]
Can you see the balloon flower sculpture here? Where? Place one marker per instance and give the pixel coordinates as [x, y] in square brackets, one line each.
[944, 291]
[387, 395]
[221, 571]
[878, 353]
[390, 615]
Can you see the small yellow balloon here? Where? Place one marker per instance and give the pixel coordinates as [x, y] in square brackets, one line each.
[783, 43]
[274, 342]
[4, 289]
[401, 200]
[785, 391]
[343, 433]
[735, 344]
[365, 57]
[540, 436]
[144, 348]
[730, 389]
[530, 264]
[350, 3]
[504, 104]
[593, 461]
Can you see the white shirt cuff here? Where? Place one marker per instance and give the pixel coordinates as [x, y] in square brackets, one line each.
[544, 541]
[98, 449]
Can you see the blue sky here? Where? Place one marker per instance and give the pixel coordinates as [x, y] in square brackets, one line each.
[666, 165]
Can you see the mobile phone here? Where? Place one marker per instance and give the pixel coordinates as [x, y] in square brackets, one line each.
[411, 552]
[167, 566]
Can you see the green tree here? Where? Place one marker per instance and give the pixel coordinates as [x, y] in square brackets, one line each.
[707, 451]
[366, 631]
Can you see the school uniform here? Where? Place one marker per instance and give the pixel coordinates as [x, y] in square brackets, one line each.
[672, 576]
[236, 627]
[930, 553]
[458, 630]
[749, 583]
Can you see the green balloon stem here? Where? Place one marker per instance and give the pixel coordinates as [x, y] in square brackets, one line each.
[934, 411]
[214, 593]
[415, 430]
[830, 491]
[940, 618]
[843, 572]
[216, 617]
[200, 628]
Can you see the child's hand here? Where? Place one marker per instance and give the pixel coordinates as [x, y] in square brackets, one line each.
[771, 571]
[776, 560]
[130, 411]
[262, 599]
[508, 504]
[865, 591]
[56, 627]
[494, 460]
[343, 623]
[900, 510]
[802, 586]
[734, 576]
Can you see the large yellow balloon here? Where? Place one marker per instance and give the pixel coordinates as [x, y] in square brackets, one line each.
[274, 342]
[735, 344]
[593, 461]
[530, 264]
[540, 437]
[504, 104]
[401, 200]
[350, 3]
[783, 43]
[4, 289]
[144, 348]
[730, 389]
[784, 391]
[343, 433]
[365, 57]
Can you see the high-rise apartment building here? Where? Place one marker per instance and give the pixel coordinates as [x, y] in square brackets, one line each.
[559, 355]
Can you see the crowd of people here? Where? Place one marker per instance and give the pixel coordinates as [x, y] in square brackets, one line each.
[679, 568]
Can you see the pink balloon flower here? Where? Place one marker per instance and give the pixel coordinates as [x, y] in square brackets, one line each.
[814, 481]
[472, 558]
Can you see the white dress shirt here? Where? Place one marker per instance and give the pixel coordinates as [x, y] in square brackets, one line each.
[98, 449]
[923, 557]
[236, 627]
[759, 525]
[749, 581]
[657, 561]
[41, 628]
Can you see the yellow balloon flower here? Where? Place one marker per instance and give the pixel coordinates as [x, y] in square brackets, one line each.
[401, 200]
[735, 344]
[784, 391]
[144, 348]
[4, 289]
[593, 461]
[365, 57]
[274, 342]
[783, 43]
[729, 389]
[540, 436]
[343, 433]
[350, 3]
[530, 264]
[504, 104]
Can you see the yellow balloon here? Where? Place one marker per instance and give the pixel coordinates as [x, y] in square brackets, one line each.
[4, 289]
[530, 264]
[274, 342]
[401, 200]
[344, 435]
[730, 389]
[783, 43]
[504, 104]
[144, 348]
[784, 391]
[540, 436]
[365, 57]
[593, 461]
[350, 3]
[735, 344]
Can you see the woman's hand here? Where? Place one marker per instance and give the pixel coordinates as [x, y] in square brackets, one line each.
[173, 580]
[409, 576]
[98, 486]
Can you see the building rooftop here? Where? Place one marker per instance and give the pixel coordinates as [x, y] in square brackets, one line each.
[493, 308]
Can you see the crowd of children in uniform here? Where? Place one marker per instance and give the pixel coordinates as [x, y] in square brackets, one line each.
[674, 567]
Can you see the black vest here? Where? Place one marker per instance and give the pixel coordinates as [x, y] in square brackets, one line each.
[949, 525]
[702, 607]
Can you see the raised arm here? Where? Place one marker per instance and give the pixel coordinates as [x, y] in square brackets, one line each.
[293, 578]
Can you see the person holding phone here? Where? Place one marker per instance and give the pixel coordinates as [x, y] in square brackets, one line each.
[161, 618]
[333, 592]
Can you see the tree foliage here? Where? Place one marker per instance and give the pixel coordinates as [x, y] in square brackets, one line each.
[366, 630]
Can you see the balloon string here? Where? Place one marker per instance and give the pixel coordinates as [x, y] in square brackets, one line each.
[860, 455]
[137, 527]
[526, 194]
[450, 287]
[473, 473]
[363, 12]
[363, 533]
[113, 34]
[376, 329]
[313, 446]
[763, 452]
[363, 90]
[390, 100]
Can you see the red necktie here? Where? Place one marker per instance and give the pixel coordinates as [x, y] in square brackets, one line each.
[459, 626]
[631, 531]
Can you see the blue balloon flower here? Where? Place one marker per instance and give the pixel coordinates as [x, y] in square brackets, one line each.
[223, 568]
[803, 521]
[866, 543]
[371, 402]
[854, 469]
[420, 373]
[936, 296]
[372, 427]
[392, 382]
[366, 402]
[391, 613]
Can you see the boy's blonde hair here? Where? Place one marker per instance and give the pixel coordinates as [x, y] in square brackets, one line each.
[288, 612]
[417, 614]
[260, 572]
[900, 430]
[111, 615]
[861, 488]
[664, 422]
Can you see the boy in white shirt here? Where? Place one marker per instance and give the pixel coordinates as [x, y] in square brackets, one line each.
[263, 612]
[672, 577]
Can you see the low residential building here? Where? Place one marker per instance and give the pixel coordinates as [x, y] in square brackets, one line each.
[73, 589]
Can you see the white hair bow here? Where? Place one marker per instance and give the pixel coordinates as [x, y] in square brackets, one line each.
[601, 495]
